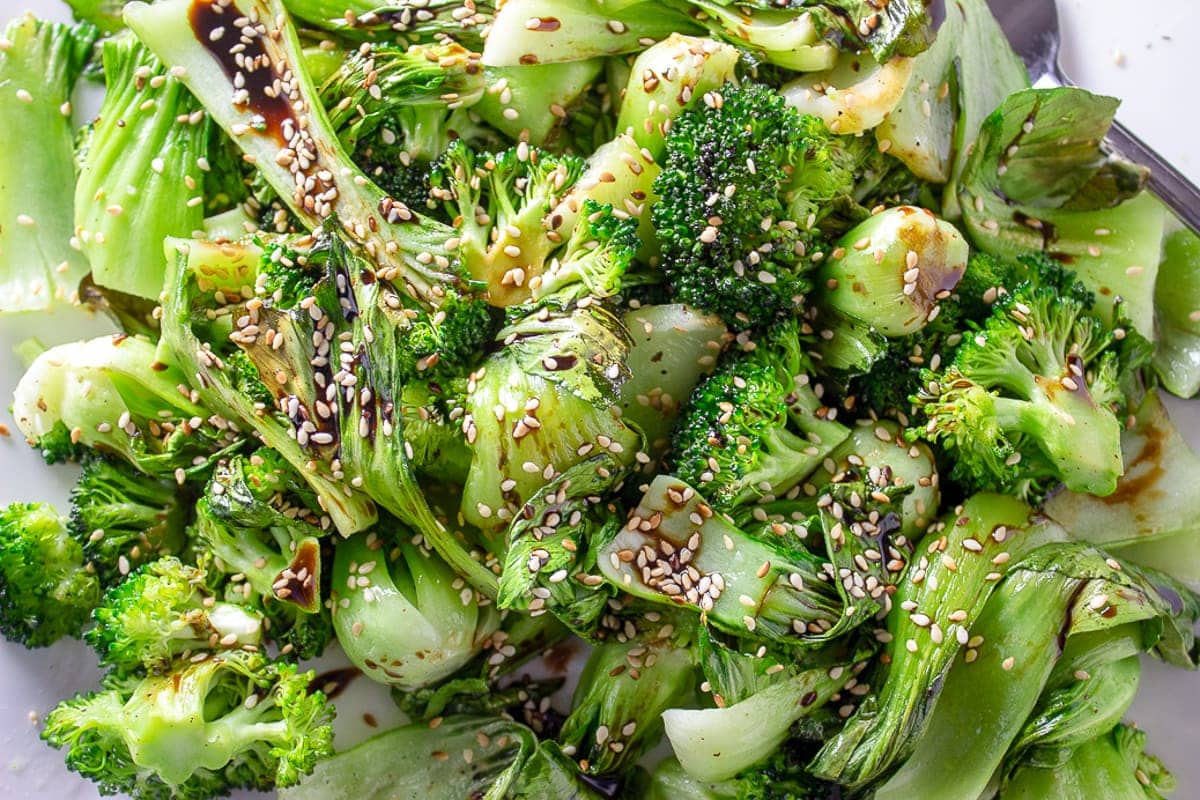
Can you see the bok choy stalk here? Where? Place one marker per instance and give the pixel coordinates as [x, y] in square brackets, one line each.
[1114, 765]
[759, 697]
[1070, 595]
[124, 210]
[957, 566]
[617, 712]
[1087, 208]
[288, 136]
[1176, 298]
[40, 63]
[1151, 518]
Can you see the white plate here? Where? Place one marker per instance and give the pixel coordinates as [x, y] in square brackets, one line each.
[1150, 60]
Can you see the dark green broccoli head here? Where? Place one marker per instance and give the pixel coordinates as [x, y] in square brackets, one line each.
[124, 518]
[448, 343]
[896, 375]
[58, 446]
[200, 731]
[729, 242]
[284, 275]
[753, 428]
[403, 177]
[46, 591]
[990, 277]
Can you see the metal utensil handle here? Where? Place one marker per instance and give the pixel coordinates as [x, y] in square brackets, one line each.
[1180, 194]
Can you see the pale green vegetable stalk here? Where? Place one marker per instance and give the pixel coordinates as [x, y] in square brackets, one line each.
[39, 64]
[142, 177]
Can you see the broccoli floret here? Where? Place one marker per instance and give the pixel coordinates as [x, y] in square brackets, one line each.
[58, 446]
[446, 344]
[989, 277]
[284, 274]
[396, 110]
[46, 591]
[752, 191]
[124, 518]
[1029, 399]
[162, 611]
[499, 203]
[600, 250]
[897, 374]
[234, 720]
[754, 429]
[258, 529]
[831, 169]
[729, 244]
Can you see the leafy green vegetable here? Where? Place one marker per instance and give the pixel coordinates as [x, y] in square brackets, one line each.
[939, 599]
[1064, 593]
[124, 211]
[124, 518]
[40, 63]
[1113, 765]
[119, 395]
[715, 744]
[401, 614]
[420, 759]
[1085, 210]
[617, 711]
[1175, 302]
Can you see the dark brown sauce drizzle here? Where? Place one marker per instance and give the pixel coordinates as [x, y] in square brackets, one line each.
[302, 593]
[1129, 489]
[1048, 230]
[564, 362]
[214, 29]
[333, 682]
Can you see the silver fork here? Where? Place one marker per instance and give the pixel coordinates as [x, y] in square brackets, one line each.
[1032, 29]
